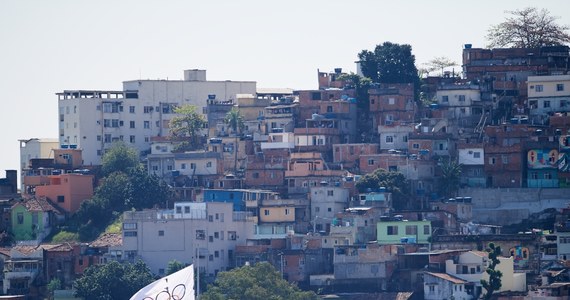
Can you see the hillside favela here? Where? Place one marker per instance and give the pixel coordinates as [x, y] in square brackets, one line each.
[394, 180]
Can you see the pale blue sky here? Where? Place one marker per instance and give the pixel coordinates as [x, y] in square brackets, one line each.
[49, 46]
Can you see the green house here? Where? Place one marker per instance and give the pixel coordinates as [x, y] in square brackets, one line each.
[403, 232]
[33, 219]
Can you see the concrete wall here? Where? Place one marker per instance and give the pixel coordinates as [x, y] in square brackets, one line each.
[503, 206]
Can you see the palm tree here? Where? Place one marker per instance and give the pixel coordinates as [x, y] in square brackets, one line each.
[234, 120]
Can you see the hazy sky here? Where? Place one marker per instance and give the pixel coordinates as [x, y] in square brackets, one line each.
[49, 46]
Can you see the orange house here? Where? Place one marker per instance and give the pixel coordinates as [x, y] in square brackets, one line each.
[67, 190]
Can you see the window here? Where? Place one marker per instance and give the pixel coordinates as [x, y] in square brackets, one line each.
[317, 209]
[60, 199]
[232, 236]
[492, 160]
[477, 154]
[330, 193]
[200, 234]
[371, 162]
[129, 226]
[132, 138]
[178, 210]
[99, 138]
[209, 164]
[389, 139]
[161, 233]
[539, 88]
[287, 211]
[329, 109]
[316, 96]
[462, 98]
[266, 212]
[132, 124]
[148, 109]
[405, 139]
[210, 218]
[211, 239]
[432, 289]
[216, 254]
[146, 124]
[108, 138]
[445, 99]
[392, 230]
[192, 166]
[411, 229]
[329, 209]
[505, 159]
[130, 233]
[416, 146]
[391, 101]
[216, 235]
[131, 109]
[186, 209]
[426, 229]
[546, 104]
[560, 87]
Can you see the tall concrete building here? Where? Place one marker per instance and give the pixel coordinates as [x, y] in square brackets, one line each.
[92, 120]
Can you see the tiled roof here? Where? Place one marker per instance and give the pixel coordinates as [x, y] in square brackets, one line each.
[108, 240]
[480, 253]
[448, 277]
[24, 249]
[39, 204]
[57, 247]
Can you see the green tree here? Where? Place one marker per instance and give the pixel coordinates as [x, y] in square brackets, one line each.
[494, 283]
[394, 182]
[120, 158]
[449, 181]
[258, 282]
[234, 120]
[54, 284]
[147, 190]
[113, 281]
[174, 266]
[187, 124]
[528, 28]
[389, 63]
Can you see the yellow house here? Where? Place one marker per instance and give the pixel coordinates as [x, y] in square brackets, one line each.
[276, 214]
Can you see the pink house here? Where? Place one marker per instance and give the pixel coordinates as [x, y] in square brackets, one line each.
[67, 190]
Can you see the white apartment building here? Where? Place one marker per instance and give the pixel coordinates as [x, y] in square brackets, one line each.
[209, 230]
[92, 120]
[548, 94]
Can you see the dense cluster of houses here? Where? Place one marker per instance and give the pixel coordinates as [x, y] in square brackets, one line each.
[283, 188]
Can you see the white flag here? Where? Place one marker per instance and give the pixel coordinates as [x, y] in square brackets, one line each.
[176, 286]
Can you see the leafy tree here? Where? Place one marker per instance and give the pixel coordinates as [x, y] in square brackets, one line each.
[65, 236]
[119, 158]
[113, 281]
[450, 177]
[394, 182]
[54, 284]
[187, 124]
[258, 282]
[114, 191]
[235, 121]
[494, 283]
[528, 28]
[174, 266]
[439, 63]
[389, 63]
[147, 190]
